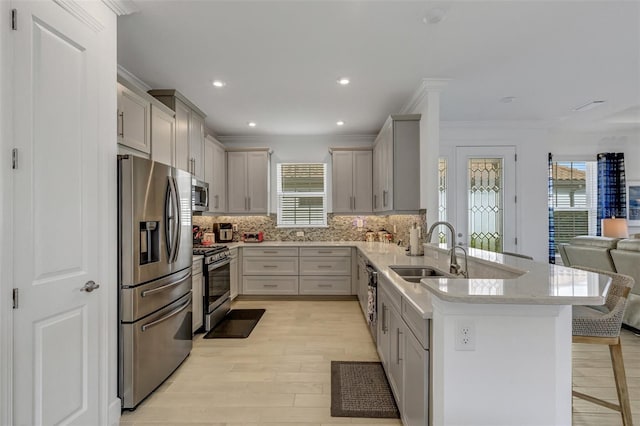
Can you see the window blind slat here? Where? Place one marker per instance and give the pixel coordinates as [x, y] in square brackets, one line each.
[302, 194]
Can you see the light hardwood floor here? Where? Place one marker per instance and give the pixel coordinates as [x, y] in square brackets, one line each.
[281, 374]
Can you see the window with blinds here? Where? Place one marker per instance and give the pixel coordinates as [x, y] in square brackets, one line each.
[575, 197]
[302, 194]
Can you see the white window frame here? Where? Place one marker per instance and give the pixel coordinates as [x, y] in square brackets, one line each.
[280, 194]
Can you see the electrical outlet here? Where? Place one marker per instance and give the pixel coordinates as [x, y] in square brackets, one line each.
[465, 335]
[359, 223]
[234, 227]
[300, 234]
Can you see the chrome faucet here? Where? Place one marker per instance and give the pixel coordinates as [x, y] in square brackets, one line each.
[448, 225]
[454, 266]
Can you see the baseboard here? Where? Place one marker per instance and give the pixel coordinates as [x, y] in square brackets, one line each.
[115, 408]
[295, 297]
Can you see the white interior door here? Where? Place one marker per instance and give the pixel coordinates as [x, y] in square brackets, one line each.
[486, 197]
[57, 330]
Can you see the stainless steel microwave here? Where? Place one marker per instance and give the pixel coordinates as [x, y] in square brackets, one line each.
[199, 195]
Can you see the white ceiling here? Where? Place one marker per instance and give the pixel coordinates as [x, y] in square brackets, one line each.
[280, 60]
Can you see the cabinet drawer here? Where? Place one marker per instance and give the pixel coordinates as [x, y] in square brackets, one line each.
[326, 251]
[418, 325]
[325, 266]
[269, 265]
[270, 285]
[325, 285]
[270, 251]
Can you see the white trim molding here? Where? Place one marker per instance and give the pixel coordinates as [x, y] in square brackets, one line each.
[133, 79]
[426, 85]
[121, 7]
[75, 9]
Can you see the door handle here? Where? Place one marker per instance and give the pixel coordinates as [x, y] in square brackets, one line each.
[89, 286]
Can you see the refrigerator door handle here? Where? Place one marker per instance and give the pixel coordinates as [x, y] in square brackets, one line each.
[178, 221]
[166, 317]
[168, 217]
[166, 286]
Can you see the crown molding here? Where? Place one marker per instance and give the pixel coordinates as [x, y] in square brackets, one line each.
[263, 138]
[498, 124]
[74, 8]
[121, 7]
[133, 79]
[427, 85]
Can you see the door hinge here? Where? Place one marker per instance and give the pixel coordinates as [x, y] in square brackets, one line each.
[14, 19]
[14, 158]
[15, 298]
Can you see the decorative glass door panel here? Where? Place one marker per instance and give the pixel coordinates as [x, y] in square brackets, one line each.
[485, 205]
[485, 197]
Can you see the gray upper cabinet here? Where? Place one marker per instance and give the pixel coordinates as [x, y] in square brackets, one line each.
[352, 181]
[163, 135]
[134, 120]
[196, 144]
[248, 181]
[215, 174]
[396, 165]
[189, 139]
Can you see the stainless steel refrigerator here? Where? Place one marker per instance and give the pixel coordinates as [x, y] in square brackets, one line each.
[154, 273]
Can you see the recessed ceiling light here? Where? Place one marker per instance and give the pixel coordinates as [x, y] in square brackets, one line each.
[218, 83]
[588, 106]
[343, 81]
[340, 123]
[252, 124]
[434, 16]
[507, 99]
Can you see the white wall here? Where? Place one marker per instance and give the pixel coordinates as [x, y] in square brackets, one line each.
[531, 143]
[304, 149]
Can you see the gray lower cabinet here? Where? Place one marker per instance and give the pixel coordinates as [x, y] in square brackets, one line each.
[235, 279]
[197, 289]
[270, 271]
[403, 347]
[270, 285]
[415, 406]
[325, 270]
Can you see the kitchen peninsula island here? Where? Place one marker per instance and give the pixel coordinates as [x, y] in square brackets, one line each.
[492, 349]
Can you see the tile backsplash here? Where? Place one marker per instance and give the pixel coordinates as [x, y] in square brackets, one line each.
[340, 228]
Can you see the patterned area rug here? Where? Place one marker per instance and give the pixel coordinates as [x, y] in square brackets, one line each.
[360, 389]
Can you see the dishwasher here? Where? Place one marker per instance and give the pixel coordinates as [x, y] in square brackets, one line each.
[372, 301]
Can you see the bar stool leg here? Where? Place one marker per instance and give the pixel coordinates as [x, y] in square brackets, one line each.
[621, 383]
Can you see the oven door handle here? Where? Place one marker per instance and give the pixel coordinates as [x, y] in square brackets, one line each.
[213, 266]
[166, 286]
[166, 317]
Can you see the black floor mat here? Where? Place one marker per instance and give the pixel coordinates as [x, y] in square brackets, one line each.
[237, 324]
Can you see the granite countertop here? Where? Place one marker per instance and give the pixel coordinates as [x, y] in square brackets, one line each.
[499, 279]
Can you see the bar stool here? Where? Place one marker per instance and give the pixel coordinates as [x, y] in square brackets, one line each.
[596, 325]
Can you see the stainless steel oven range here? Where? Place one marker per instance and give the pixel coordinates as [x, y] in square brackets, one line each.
[217, 283]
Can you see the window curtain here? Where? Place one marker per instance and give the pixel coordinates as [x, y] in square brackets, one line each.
[552, 232]
[612, 191]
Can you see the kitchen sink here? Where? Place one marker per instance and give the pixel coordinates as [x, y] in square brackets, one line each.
[414, 274]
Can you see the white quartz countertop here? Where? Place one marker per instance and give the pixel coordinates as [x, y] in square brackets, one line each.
[500, 279]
